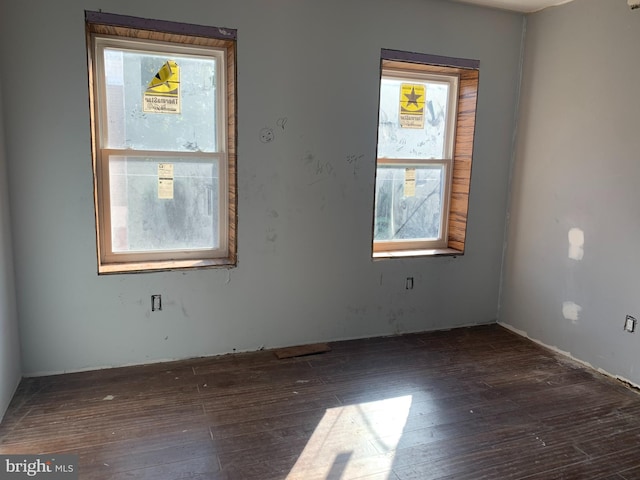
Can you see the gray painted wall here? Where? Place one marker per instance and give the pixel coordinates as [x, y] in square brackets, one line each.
[10, 368]
[305, 272]
[577, 166]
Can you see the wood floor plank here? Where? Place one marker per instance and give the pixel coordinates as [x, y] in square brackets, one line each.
[596, 469]
[630, 474]
[471, 403]
[200, 467]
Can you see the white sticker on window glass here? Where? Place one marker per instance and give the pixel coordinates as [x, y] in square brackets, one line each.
[165, 181]
[409, 182]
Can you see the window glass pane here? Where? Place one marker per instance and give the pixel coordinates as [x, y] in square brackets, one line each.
[183, 89]
[421, 103]
[170, 207]
[408, 202]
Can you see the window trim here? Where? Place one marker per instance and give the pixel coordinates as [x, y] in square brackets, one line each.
[178, 36]
[465, 118]
[446, 161]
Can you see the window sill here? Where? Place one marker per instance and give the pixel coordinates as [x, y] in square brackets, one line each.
[160, 266]
[436, 252]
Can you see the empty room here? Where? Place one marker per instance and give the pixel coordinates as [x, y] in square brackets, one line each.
[303, 239]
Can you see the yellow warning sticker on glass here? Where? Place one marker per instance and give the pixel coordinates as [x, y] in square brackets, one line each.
[409, 182]
[163, 92]
[165, 181]
[412, 98]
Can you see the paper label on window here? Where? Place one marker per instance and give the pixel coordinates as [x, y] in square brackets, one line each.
[165, 181]
[409, 182]
[163, 92]
[412, 98]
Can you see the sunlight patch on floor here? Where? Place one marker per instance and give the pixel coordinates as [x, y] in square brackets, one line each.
[354, 441]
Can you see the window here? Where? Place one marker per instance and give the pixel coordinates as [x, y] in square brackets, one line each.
[163, 136]
[426, 124]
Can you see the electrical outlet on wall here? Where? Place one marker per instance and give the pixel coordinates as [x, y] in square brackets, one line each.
[156, 302]
[630, 324]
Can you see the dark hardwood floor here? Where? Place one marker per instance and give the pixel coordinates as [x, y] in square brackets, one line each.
[472, 403]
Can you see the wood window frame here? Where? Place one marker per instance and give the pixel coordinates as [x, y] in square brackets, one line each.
[170, 33]
[468, 72]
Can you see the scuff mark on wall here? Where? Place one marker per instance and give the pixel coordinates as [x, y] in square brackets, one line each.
[317, 168]
[355, 314]
[353, 161]
[271, 235]
[360, 311]
[266, 135]
[395, 317]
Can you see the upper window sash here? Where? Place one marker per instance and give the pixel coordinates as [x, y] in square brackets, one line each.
[452, 81]
[129, 45]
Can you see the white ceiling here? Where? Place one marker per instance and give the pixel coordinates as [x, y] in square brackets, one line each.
[526, 6]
